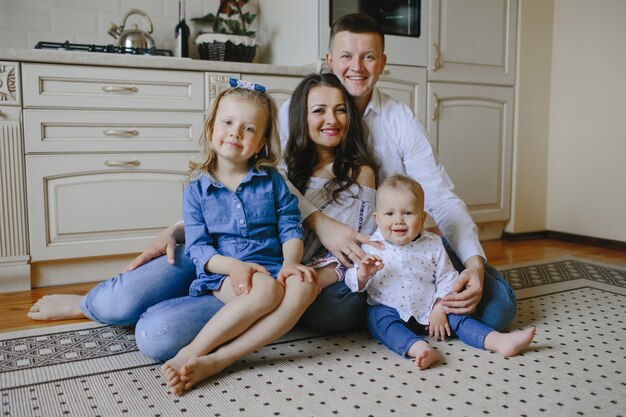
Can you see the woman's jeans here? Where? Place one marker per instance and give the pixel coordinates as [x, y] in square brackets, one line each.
[387, 326]
[155, 298]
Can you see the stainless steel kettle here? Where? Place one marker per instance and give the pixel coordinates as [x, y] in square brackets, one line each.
[133, 37]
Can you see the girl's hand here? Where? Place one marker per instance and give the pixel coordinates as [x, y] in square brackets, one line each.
[241, 276]
[438, 326]
[304, 273]
[369, 266]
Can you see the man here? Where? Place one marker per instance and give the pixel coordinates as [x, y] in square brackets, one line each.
[356, 56]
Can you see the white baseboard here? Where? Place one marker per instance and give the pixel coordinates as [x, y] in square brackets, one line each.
[14, 277]
[75, 271]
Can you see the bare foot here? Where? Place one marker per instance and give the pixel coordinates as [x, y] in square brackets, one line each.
[201, 368]
[424, 355]
[509, 344]
[172, 369]
[57, 307]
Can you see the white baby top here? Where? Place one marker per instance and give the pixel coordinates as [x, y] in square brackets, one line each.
[414, 276]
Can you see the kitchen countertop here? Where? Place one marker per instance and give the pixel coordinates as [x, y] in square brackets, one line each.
[149, 61]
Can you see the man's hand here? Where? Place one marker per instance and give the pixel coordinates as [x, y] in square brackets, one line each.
[340, 239]
[163, 244]
[468, 289]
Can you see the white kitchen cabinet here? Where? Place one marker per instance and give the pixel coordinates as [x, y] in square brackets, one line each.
[408, 85]
[14, 255]
[101, 204]
[107, 156]
[471, 128]
[473, 41]
[279, 87]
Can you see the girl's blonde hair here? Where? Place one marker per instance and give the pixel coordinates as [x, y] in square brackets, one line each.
[267, 157]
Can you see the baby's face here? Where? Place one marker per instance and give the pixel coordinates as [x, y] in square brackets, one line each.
[399, 214]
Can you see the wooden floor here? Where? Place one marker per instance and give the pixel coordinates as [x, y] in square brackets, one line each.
[13, 306]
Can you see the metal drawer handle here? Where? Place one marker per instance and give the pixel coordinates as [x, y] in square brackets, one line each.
[120, 133]
[119, 89]
[135, 163]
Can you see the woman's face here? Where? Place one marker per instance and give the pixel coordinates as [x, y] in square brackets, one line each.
[327, 116]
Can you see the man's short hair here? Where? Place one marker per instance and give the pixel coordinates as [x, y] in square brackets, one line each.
[356, 23]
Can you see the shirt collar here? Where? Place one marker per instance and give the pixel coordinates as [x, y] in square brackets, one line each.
[374, 103]
[207, 180]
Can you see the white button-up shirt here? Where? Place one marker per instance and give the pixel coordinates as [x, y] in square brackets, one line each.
[402, 146]
[414, 276]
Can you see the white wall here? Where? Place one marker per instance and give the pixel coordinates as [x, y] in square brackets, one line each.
[586, 191]
[532, 108]
[25, 22]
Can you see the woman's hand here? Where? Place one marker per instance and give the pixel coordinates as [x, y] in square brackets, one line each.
[304, 273]
[163, 244]
[340, 239]
[240, 274]
[468, 289]
[438, 326]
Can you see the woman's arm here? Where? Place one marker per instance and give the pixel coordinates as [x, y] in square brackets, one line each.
[164, 244]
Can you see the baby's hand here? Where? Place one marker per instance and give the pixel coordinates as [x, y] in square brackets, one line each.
[368, 267]
[438, 326]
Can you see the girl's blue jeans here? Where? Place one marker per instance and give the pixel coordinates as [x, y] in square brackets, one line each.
[386, 325]
[155, 298]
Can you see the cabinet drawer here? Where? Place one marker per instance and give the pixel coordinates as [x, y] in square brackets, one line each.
[97, 205]
[113, 88]
[111, 131]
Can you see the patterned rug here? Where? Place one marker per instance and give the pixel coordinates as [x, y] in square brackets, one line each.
[575, 366]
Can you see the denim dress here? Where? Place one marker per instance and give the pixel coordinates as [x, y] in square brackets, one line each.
[250, 223]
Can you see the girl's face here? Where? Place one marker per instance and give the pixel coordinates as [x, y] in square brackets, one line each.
[238, 130]
[327, 116]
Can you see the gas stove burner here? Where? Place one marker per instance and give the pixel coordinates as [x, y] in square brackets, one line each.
[111, 49]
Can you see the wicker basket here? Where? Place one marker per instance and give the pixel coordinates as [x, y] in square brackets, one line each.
[226, 51]
[220, 47]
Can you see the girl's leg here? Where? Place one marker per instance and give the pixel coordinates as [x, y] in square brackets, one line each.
[386, 326]
[122, 299]
[481, 336]
[298, 296]
[238, 314]
[497, 306]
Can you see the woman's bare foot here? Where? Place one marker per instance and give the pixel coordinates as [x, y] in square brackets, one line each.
[57, 307]
[201, 368]
[509, 344]
[172, 369]
[425, 356]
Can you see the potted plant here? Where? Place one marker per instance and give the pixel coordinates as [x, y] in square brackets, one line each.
[231, 38]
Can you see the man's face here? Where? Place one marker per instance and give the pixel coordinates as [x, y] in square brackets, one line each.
[357, 59]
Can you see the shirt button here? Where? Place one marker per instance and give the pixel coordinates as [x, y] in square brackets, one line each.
[238, 188]
[238, 206]
[240, 221]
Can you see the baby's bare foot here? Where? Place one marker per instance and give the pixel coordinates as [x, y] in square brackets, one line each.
[201, 368]
[57, 307]
[172, 369]
[509, 344]
[425, 355]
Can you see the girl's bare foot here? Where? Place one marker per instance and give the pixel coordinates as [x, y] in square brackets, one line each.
[201, 368]
[172, 369]
[57, 307]
[425, 356]
[509, 344]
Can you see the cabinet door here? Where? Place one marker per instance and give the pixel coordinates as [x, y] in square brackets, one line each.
[279, 87]
[471, 128]
[473, 41]
[93, 205]
[408, 85]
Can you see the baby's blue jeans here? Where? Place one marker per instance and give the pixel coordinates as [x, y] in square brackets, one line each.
[155, 298]
[386, 326]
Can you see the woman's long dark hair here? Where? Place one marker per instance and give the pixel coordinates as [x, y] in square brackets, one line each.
[350, 155]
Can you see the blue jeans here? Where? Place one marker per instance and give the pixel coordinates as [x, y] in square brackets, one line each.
[155, 298]
[386, 326]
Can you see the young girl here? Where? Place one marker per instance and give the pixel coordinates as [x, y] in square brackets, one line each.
[407, 280]
[329, 161]
[242, 228]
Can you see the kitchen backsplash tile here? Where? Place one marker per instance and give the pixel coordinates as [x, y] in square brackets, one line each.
[23, 23]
